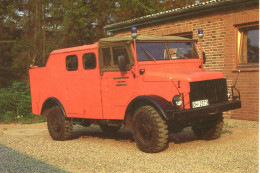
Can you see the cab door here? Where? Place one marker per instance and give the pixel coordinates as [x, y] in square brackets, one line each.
[117, 85]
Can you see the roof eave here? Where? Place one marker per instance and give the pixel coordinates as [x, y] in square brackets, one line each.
[177, 13]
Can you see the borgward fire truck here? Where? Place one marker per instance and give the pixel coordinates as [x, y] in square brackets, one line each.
[153, 85]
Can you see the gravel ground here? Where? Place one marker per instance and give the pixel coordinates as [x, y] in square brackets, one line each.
[23, 146]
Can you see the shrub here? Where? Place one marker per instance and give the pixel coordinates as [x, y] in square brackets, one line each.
[15, 102]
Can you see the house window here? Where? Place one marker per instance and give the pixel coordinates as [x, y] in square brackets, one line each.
[248, 45]
[89, 61]
[72, 62]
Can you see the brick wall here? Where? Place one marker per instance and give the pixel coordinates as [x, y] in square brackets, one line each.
[220, 46]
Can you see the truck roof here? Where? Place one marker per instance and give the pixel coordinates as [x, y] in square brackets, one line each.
[73, 49]
[143, 38]
[115, 39]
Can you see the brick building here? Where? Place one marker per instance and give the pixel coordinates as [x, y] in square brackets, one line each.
[231, 41]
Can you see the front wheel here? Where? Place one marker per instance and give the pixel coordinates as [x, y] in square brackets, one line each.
[210, 129]
[60, 128]
[149, 130]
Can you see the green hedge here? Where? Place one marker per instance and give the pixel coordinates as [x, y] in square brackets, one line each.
[15, 102]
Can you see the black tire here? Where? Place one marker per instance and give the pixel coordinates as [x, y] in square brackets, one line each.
[150, 131]
[210, 129]
[174, 129]
[60, 128]
[108, 129]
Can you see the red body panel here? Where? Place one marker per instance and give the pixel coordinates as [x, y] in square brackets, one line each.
[118, 89]
[78, 91]
[91, 94]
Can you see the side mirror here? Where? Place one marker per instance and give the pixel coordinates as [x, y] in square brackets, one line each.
[122, 63]
[204, 58]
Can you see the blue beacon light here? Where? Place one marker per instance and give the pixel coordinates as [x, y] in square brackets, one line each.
[133, 32]
[200, 33]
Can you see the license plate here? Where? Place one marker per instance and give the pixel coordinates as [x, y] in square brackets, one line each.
[200, 103]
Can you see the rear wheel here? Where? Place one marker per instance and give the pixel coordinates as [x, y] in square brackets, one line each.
[149, 130]
[210, 129]
[60, 128]
[109, 129]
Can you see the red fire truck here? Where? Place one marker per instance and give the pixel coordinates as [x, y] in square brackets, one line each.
[154, 85]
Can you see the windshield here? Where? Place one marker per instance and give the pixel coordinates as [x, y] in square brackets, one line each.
[153, 51]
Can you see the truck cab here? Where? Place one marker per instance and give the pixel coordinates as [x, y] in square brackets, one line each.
[154, 85]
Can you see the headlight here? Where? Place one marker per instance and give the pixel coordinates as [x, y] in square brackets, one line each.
[177, 100]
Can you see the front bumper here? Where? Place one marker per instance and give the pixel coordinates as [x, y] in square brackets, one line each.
[192, 114]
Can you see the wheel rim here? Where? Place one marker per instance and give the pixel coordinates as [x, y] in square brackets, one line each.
[150, 131]
[145, 130]
[56, 124]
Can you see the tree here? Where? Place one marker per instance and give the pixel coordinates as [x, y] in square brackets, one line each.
[9, 36]
[31, 29]
[131, 9]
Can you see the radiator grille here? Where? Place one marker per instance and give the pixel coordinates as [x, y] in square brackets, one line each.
[213, 90]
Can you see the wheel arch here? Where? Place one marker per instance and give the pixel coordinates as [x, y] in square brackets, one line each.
[49, 103]
[159, 103]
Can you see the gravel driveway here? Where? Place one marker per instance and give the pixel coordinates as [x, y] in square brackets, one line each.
[23, 146]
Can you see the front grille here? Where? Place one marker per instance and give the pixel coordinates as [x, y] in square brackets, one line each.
[213, 90]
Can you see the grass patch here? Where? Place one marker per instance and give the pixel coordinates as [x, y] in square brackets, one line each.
[15, 104]
[25, 120]
[228, 126]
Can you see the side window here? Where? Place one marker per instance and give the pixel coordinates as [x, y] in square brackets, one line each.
[72, 62]
[112, 54]
[106, 57]
[120, 51]
[89, 61]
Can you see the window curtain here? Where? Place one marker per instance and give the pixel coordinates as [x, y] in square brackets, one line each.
[242, 47]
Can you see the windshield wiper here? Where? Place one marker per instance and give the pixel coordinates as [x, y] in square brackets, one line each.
[182, 56]
[148, 54]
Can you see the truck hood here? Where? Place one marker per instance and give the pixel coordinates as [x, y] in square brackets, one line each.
[181, 76]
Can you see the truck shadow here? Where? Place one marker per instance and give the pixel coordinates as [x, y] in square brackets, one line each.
[121, 135]
[186, 135]
[126, 135]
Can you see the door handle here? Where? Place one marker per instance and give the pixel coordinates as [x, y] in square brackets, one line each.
[141, 71]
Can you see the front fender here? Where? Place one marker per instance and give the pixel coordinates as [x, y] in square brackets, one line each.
[159, 103]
